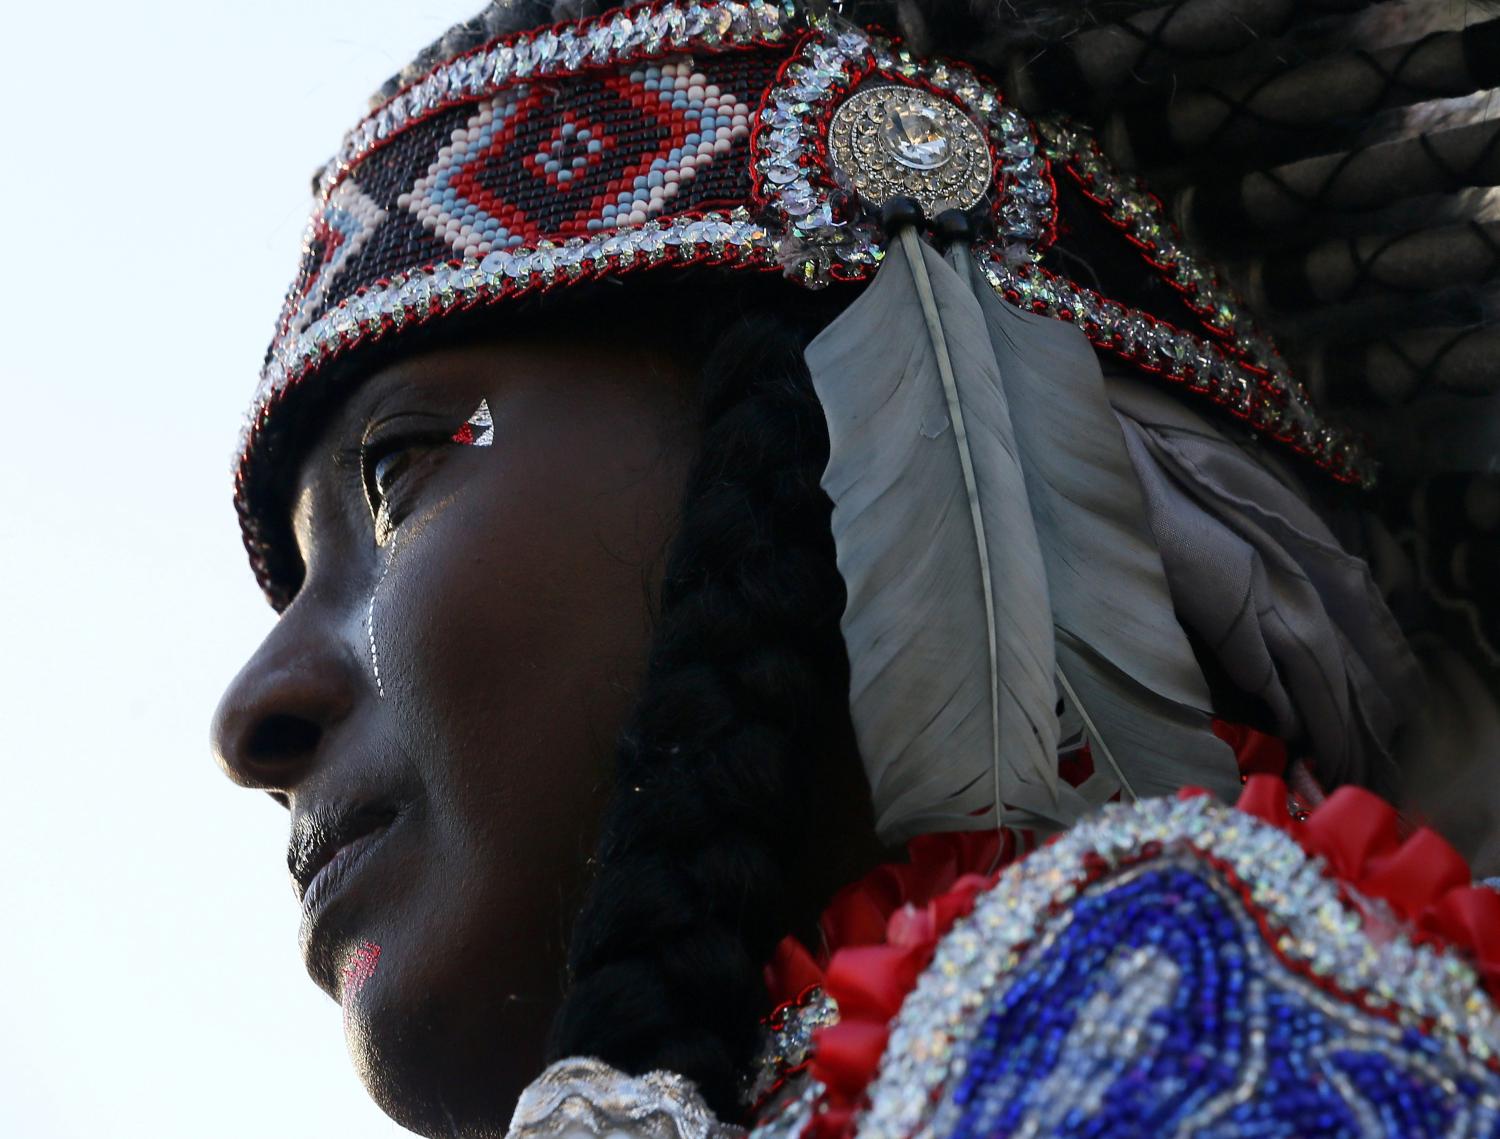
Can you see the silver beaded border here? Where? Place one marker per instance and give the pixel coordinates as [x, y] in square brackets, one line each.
[421, 294]
[794, 176]
[1310, 923]
[627, 35]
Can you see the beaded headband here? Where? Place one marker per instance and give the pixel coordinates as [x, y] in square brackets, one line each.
[743, 136]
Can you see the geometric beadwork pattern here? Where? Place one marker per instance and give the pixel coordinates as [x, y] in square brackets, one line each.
[623, 149]
[534, 163]
[337, 234]
[451, 199]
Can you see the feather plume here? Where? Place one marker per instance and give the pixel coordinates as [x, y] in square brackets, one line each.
[948, 621]
[1123, 659]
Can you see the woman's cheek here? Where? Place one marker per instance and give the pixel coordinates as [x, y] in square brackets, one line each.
[371, 636]
[395, 610]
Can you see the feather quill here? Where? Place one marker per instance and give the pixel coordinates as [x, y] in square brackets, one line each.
[948, 621]
[1123, 660]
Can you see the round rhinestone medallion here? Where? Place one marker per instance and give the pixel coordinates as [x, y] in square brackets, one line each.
[915, 137]
[895, 141]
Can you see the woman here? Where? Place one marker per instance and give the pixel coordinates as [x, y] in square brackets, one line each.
[590, 532]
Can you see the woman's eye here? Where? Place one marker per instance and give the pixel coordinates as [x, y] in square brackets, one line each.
[389, 479]
[388, 469]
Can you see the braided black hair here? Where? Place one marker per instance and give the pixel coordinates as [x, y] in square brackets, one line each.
[740, 741]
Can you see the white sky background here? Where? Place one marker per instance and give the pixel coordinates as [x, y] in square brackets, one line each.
[153, 185]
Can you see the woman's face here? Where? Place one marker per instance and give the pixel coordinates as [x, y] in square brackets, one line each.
[437, 708]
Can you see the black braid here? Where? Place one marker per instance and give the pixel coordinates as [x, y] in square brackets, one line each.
[746, 696]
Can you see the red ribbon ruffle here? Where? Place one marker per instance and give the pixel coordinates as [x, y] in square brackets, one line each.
[1425, 882]
[861, 913]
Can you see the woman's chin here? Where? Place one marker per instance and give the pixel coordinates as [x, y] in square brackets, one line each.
[438, 1062]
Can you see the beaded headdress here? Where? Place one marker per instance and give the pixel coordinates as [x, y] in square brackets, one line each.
[746, 136]
[801, 139]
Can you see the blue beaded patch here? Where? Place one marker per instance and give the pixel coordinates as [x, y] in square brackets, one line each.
[1156, 1009]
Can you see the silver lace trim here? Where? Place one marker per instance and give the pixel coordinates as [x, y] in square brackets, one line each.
[581, 1097]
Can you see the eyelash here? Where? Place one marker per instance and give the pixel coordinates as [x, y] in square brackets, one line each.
[375, 453]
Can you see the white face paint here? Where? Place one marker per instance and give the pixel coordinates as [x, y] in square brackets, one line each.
[370, 625]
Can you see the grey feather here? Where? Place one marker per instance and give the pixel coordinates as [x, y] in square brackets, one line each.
[950, 650]
[1120, 648]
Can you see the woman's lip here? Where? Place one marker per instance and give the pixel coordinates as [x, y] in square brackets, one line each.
[336, 872]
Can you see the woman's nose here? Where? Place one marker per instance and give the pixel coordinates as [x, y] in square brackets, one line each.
[273, 722]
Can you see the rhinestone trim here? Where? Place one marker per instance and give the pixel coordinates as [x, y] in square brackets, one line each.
[788, 1043]
[624, 36]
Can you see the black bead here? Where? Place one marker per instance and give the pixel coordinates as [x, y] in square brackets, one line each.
[900, 212]
[954, 226]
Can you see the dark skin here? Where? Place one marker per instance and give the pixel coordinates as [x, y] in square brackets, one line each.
[510, 626]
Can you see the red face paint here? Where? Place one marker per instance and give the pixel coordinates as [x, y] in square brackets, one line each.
[359, 969]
